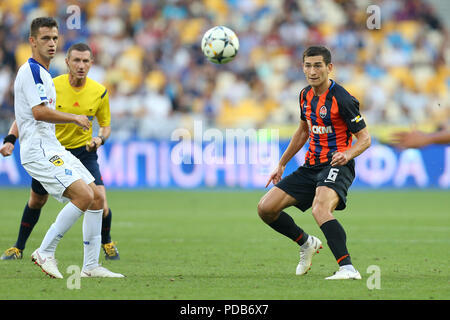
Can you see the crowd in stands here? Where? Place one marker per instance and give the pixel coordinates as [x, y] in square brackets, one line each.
[147, 53]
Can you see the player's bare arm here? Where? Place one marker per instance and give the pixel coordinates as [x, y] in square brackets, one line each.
[418, 139]
[297, 142]
[363, 142]
[96, 142]
[42, 113]
[8, 144]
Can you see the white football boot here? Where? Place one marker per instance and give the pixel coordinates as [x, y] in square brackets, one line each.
[307, 251]
[47, 264]
[100, 272]
[345, 272]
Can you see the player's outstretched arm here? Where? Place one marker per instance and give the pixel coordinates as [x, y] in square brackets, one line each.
[297, 142]
[417, 139]
[42, 113]
[363, 142]
[8, 143]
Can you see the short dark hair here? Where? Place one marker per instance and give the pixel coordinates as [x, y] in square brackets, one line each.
[318, 51]
[79, 47]
[40, 22]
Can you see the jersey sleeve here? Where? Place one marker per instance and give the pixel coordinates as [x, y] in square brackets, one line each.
[349, 111]
[103, 113]
[33, 87]
[301, 102]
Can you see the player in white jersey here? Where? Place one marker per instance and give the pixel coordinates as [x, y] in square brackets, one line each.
[46, 160]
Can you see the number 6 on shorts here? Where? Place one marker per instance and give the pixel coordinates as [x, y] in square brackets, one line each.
[332, 175]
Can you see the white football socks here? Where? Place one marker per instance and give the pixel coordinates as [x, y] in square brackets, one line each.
[92, 228]
[65, 219]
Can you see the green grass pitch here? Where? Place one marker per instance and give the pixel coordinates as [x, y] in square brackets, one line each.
[211, 245]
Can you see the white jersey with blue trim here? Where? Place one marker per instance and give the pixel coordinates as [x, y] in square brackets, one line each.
[33, 86]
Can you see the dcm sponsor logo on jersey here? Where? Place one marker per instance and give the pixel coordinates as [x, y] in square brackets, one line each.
[322, 129]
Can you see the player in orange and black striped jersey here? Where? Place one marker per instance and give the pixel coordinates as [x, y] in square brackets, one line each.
[330, 118]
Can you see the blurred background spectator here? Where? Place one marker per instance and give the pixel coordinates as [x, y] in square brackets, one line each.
[147, 54]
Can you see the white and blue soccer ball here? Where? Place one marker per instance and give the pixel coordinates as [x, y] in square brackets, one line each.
[220, 44]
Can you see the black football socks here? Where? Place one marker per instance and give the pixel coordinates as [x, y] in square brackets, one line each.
[106, 228]
[29, 219]
[286, 226]
[336, 239]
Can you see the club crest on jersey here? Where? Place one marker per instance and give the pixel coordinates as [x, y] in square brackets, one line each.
[56, 160]
[323, 112]
[41, 89]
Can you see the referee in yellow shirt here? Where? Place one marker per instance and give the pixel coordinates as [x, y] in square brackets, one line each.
[77, 94]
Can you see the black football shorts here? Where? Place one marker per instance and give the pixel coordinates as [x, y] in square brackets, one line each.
[302, 183]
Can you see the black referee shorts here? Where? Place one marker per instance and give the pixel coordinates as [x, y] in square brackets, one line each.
[88, 159]
[302, 183]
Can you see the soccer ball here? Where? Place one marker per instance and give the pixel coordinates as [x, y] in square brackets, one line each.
[220, 44]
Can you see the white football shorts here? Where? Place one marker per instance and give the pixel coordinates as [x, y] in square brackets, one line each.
[57, 172]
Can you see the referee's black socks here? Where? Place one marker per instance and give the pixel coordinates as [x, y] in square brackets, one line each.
[286, 226]
[336, 239]
[106, 228]
[29, 219]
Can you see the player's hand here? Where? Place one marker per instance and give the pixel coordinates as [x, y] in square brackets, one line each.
[7, 149]
[82, 121]
[339, 159]
[276, 175]
[413, 139]
[94, 144]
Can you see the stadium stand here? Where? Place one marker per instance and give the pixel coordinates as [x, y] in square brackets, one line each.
[148, 55]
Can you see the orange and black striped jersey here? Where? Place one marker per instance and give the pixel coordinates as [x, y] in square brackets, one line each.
[332, 118]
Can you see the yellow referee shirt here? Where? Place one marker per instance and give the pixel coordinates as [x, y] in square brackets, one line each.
[92, 100]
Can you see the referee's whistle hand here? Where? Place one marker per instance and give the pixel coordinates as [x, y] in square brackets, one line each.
[93, 145]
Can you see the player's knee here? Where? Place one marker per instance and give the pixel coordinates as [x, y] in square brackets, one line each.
[265, 211]
[37, 201]
[80, 194]
[89, 196]
[318, 208]
[98, 199]
[322, 211]
[85, 198]
[321, 204]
